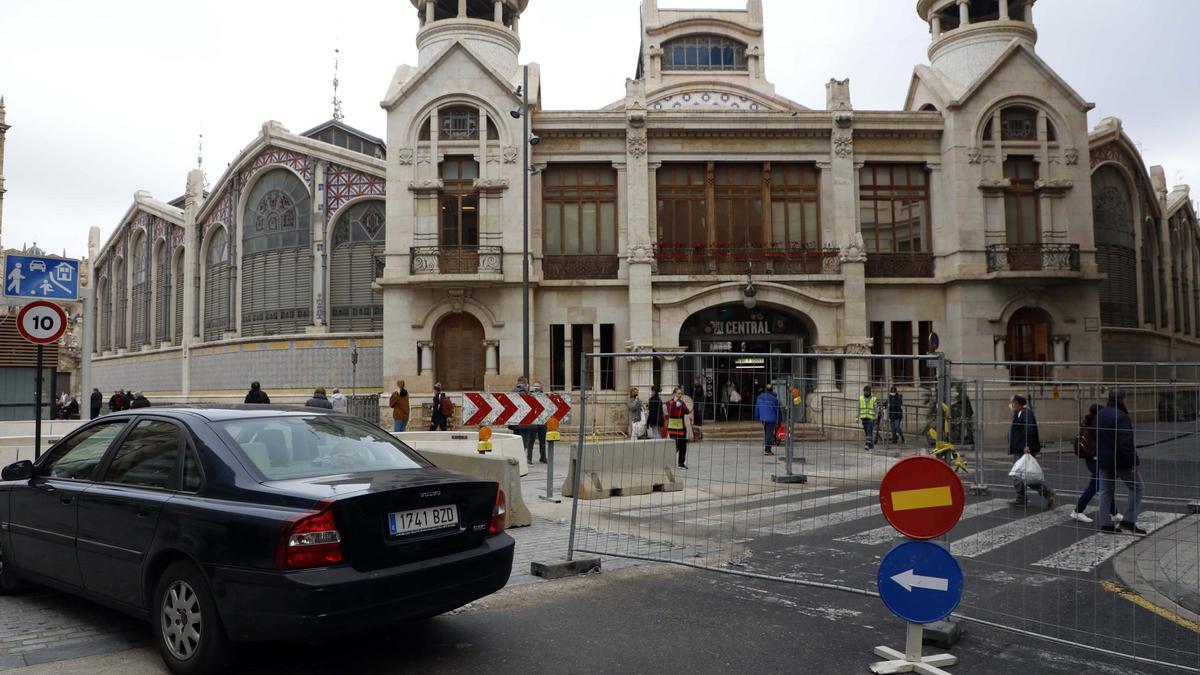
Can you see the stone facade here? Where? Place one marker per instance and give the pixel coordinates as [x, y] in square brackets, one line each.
[969, 212]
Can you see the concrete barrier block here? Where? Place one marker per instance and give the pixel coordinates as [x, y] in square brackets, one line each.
[559, 569]
[623, 468]
[465, 443]
[503, 470]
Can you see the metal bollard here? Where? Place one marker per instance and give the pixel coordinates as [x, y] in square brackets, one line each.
[549, 496]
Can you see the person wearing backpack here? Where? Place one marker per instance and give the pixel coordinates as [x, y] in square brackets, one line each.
[1085, 449]
[443, 409]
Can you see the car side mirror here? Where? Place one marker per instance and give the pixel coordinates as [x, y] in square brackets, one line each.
[22, 470]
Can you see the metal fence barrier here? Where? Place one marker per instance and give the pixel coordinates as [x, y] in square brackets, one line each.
[809, 513]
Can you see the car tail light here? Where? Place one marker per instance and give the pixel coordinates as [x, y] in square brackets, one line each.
[496, 526]
[310, 541]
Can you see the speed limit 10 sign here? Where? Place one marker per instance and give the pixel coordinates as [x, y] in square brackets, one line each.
[42, 322]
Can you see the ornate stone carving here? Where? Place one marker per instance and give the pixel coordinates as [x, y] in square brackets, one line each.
[637, 143]
[974, 155]
[510, 154]
[858, 348]
[994, 188]
[843, 145]
[491, 187]
[640, 254]
[457, 299]
[1056, 188]
[406, 156]
[425, 187]
[1071, 156]
[855, 251]
[640, 352]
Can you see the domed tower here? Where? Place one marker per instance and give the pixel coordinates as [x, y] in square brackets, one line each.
[490, 27]
[969, 35]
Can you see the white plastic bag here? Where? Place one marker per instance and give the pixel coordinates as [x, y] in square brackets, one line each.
[1028, 470]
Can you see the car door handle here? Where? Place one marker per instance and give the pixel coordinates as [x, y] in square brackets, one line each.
[66, 500]
[143, 514]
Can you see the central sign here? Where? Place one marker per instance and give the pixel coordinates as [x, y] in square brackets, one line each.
[721, 328]
[922, 497]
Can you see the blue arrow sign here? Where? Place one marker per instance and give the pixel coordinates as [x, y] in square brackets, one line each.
[27, 276]
[920, 581]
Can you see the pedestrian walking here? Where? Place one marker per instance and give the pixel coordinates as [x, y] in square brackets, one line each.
[1085, 449]
[256, 395]
[1024, 439]
[139, 401]
[768, 411]
[116, 403]
[443, 408]
[654, 413]
[1117, 457]
[398, 402]
[96, 402]
[698, 398]
[319, 400]
[867, 408]
[126, 400]
[725, 394]
[677, 412]
[527, 432]
[735, 401]
[895, 414]
[634, 406]
[539, 429]
[339, 401]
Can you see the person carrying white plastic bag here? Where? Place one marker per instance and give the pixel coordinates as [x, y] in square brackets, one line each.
[1025, 443]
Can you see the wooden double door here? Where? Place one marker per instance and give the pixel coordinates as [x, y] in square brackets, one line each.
[459, 360]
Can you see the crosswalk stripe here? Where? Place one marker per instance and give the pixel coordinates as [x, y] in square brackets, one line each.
[887, 533]
[683, 508]
[806, 525]
[771, 513]
[1085, 554]
[976, 545]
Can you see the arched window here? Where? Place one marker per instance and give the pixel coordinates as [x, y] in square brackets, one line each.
[216, 286]
[276, 257]
[1028, 340]
[1116, 256]
[459, 355]
[1018, 123]
[106, 315]
[704, 52]
[354, 265]
[140, 277]
[122, 304]
[179, 281]
[162, 292]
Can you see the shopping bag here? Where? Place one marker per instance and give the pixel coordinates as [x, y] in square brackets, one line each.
[780, 433]
[1028, 470]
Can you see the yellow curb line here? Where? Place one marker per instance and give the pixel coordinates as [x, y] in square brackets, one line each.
[1114, 587]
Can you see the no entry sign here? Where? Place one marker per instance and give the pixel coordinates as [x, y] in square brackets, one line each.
[921, 497]
[42, 322]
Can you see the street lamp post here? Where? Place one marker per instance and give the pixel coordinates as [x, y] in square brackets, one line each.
[525, 226]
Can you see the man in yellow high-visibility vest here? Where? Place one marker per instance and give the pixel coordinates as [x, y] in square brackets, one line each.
[867, 405]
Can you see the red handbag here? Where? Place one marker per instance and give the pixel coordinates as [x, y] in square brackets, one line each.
[780, 433]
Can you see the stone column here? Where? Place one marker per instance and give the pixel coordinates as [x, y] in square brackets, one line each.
[430, 9]
[639, 243]
[492, 351]
[427, 356]
[826, 375]
[964, 12]
[1029, 12]
[1060, 347]
[670, 368]
[317, 246]
[936, 26]
[845, 224]
[1159, 179]
[191, 208]
[462, 9]
[998, 348]
[498, 12]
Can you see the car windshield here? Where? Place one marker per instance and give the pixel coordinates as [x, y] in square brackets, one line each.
[287, 447]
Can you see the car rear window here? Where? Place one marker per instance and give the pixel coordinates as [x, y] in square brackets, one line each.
[283, 448]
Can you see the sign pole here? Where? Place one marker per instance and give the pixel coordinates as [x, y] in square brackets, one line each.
[37, 405]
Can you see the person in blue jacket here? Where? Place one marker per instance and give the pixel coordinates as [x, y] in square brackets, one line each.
[768, 411]
[1116, 457]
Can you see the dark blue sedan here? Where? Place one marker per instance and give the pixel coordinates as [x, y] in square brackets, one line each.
[229, 524]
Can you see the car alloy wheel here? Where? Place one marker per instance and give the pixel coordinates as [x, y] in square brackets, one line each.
[181, 620]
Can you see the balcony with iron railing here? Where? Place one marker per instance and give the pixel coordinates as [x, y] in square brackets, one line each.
[899, 265]
[456, 260]
[722, 259]
[1033, 258]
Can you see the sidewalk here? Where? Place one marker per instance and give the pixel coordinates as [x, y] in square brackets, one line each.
[1165, 568]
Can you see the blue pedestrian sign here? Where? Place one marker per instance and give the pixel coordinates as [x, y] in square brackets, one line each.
[920, 581]
[27, 276]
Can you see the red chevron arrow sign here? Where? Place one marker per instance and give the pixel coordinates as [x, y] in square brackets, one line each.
[480, 408]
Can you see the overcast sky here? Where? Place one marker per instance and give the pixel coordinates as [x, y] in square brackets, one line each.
[106, 98]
